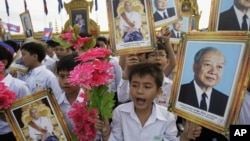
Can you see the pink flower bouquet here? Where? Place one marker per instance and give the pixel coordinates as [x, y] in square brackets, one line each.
[6, 95]
[93, 74]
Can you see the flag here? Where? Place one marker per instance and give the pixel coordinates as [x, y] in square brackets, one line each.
[25, 5]
[4, 25]
[96, 5]
[13, 27]
[7, 7]
[45, 7]
[60, 6]
[10, 27]
[47, 34]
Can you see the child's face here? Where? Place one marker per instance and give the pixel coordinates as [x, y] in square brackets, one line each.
[65, 85]
[143, 91]
[60, 51]
[27, 58]
[158, 57]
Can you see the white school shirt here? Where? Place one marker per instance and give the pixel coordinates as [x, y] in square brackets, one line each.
[244, 116]
[65, 107]
[49, 63]
[21, 89]
[127, 127]
[117, 71]
[41, 78]
[124, 95]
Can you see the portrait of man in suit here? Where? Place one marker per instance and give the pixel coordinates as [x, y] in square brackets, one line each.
[162, 11]
[177, 29]
[27, 27]
[208, 68]
[237, 17]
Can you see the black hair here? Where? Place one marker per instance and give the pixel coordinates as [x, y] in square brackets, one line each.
[160, 46]
[143, 69]
[14, 45]
[6, 55]
[67, 63]
[52, 43]
[85, 34]
[35, 48]
[102, 38]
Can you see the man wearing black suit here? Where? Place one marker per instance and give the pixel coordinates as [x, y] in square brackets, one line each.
[162, 12]
[208, 68]
[235, 18]
[177, 29]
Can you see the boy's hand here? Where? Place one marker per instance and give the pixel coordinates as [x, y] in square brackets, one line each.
[102, 125]
[191, 131]
[130, 60]
[166, 34]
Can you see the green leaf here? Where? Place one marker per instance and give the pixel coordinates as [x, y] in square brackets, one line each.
[74, 137]
[62, 42]
[90, 44]
[76, 29]
[103, 100]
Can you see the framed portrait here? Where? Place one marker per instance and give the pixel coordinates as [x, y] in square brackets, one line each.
[165, 12]
[27, 24]
[131, 25]
[80, 17]
[225, 16]
[36, 117]
[210, 81]
[6, 36]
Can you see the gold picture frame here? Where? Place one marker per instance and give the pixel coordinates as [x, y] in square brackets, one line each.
[80, 16]
[25, 128]
[27, 24]
[143, 38]
[184, 99]
[223, 16]
[173, 13]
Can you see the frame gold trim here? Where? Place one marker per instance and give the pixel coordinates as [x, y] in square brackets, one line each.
[234, 81]
[18, 115]
[147, 29]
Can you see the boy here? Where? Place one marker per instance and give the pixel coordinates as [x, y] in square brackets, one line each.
[61, 51]
[19, 87]
[51, 49]
[38, 76]
[143, 119]
[70, 95]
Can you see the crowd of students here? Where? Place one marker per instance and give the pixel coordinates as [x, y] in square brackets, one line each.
[141, 85]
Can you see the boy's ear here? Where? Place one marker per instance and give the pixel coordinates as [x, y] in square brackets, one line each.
[35, 56]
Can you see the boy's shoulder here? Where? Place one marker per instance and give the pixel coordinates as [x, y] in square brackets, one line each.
[163, 113]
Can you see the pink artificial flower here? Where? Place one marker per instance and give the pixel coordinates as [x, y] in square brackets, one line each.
[82, 75]
[6, 97]
[67, 36]
[83, 120]
[103, 73]
[79, 43]
[93, 54]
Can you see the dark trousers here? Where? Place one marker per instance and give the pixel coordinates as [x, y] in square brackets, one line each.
[8, 137]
